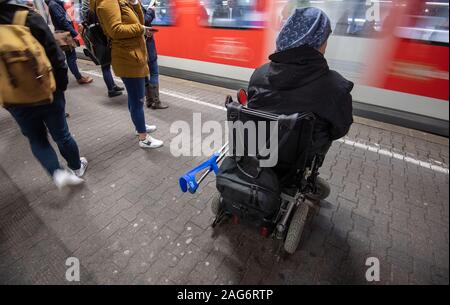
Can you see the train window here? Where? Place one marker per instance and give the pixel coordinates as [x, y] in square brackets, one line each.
[163, 11]
[360, 18]
[427, 21]
[232, 13]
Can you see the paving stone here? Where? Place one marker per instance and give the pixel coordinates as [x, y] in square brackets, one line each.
[130, 224]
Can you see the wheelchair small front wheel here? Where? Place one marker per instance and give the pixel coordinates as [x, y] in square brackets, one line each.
[296, 228]
[216, 204]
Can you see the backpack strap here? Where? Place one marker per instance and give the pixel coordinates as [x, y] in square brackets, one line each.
[20, 17]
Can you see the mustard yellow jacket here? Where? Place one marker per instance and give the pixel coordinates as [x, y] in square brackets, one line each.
[123, 23]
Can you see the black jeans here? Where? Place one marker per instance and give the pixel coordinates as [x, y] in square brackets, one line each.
[34, 122]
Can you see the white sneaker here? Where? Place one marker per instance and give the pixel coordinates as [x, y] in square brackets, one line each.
[63, 178]
[84, 164]
[148, 129]
[150, 142]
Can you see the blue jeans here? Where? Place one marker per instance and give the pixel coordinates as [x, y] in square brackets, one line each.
[136, 95]
[71, 57]
[34, 122]
[152, 63]
[107, 77]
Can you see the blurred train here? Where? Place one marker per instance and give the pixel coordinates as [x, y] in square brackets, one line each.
[395, 51]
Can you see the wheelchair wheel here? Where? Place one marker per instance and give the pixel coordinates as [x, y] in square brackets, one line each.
[216, 204]
[323, 190]
[296, 228]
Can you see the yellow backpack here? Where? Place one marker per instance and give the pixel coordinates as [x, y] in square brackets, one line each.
[26, 76]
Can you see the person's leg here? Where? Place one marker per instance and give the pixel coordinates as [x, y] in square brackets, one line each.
[153, 62]
[149, 90]
[113, 89]
[107, 77]
[153, 87]
[154, 73]
[149, 100]
[136, 95]
[136, 92]
[32, 127]
[71, 57]
[56, 123]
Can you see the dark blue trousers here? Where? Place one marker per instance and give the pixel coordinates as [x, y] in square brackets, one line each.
[34, 123]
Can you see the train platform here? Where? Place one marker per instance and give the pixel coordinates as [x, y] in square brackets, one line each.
[130, 224]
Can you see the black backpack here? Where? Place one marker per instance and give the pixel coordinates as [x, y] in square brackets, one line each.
[250, 191]
[247, 190]
[98, 45]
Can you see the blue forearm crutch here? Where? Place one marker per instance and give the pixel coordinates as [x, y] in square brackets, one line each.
[189, 182]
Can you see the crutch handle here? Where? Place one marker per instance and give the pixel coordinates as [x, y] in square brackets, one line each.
[189, 182]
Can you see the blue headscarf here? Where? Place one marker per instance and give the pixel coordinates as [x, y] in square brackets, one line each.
[307, 26]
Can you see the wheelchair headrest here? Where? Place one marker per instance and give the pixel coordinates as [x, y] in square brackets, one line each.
[237, 112]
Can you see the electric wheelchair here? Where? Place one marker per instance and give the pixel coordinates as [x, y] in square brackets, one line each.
[275, 199]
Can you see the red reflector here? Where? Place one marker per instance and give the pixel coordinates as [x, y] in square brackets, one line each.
[264, 232]
[242, 97]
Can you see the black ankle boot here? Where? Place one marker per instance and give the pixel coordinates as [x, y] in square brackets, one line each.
[117, 88]
[114, 93]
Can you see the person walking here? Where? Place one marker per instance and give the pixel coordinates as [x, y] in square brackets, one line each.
[152, 83]
[89, 18]
[123, 23]
[62, 22]
[34, 121]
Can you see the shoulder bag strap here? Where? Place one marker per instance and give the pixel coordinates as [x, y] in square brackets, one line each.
[20, 17]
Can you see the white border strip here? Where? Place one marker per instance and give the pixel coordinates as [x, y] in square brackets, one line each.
[372, 148]
[191, 99]
[393, 155]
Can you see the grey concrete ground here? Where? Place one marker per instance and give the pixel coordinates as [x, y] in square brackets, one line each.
[131, 225]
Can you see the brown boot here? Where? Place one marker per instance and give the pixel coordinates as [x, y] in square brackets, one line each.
[84, 80]
[149, 100]
[157, 102]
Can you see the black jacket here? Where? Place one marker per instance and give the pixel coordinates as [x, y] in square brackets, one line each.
[40, 30]
[299, 80]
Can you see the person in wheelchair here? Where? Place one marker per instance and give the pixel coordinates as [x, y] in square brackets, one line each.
[297, 79]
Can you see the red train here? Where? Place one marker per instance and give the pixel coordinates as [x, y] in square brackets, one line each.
[395, 51]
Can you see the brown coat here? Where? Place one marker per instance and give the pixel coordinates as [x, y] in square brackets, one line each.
[123, 23]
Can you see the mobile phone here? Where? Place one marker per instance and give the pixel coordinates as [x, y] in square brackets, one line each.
[148, 28]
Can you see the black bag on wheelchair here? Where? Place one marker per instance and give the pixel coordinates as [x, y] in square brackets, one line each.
[247, 190]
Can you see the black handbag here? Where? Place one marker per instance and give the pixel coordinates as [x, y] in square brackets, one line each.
[248, 190]
[97, 44]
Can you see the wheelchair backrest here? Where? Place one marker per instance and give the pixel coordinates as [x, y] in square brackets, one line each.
[294, 135]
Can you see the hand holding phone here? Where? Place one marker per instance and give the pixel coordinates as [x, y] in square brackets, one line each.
[149, 31]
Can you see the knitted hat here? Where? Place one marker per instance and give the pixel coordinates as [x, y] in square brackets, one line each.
[307, 26]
